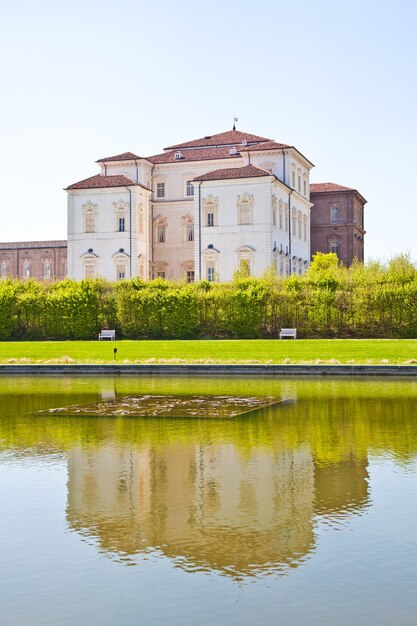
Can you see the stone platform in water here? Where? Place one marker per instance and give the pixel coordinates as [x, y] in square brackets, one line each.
[170, 406]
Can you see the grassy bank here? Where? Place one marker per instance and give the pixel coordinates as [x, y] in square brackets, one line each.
[333, 351]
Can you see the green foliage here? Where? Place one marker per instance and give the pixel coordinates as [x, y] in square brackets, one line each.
[330, 300]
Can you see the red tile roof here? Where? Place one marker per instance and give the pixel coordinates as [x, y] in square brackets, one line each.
[200, 154]
[100, 182]
[229, 138]
[332, 188]
[125, 156]
[328, 187]
[265, 145]
[249, 171]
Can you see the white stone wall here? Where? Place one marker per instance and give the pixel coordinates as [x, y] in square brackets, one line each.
[262, 242]
[106, 247]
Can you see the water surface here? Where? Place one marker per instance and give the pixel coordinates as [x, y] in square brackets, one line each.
[300, 511]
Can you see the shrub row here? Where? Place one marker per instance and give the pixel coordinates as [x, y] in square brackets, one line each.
[329, 301]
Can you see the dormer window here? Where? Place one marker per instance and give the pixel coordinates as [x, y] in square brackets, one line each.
[233, 151]
[179, 155]
[244, 142]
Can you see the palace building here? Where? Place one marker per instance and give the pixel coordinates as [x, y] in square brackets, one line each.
[201, 209]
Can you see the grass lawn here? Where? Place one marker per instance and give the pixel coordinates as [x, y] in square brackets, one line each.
[333, 351]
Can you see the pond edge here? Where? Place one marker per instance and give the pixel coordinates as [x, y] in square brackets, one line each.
[207, 370]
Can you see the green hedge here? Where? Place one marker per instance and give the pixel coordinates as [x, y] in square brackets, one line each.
[329, 301]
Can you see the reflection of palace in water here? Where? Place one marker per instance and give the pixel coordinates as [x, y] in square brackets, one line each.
[210, 506]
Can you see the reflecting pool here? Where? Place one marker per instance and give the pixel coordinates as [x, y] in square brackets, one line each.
[226, 501]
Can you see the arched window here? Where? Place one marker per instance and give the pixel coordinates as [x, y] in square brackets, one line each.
[305, 184]
[160, 269]
[334, 214]
[47, 269]
[89, 221]
[281, 215]
[121, 221]
[210, 211]
[188, 227]
[274, 210]
[286, 216]
[89, 270]
[300, 224]
[210, 264]
[89, 261]
[244, 209]
[335, 246]
[160, 229]
[281, 264]
[299, 179]
[121, 265]
[188, 269]
[4, 269]
[305, 227]
[245, 258]
[293, 176]
[141, 266]
[294, 223]
[89, 211]
[120, 271]
[121, 215]
[26, 269]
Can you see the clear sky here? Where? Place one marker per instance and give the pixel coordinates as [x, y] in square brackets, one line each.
[82, 80]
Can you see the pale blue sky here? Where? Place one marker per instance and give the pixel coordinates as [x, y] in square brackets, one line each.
[86, 79]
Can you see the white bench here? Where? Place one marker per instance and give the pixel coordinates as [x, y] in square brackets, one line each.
[107, 334]
[288, 332]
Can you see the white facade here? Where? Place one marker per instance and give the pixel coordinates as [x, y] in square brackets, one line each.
[198, 210]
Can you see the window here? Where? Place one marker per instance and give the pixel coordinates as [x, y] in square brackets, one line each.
[120, 272]
[47, 268]
[160, 190]
[89, 270]
[305, 227]
[334, 247]
[299, 182]
[300, 222]
[245, 213]
[161, 233]
[244, 207]
[293, 179]
[210, 273]
[121, 224]
[4, 268]
[210, 210]
[190, 232]
[190, 188]
[334, 214]
[190, 276]
[160, 274]
[305, 187]
[26, 269]
[294, 223]
[89, 221]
